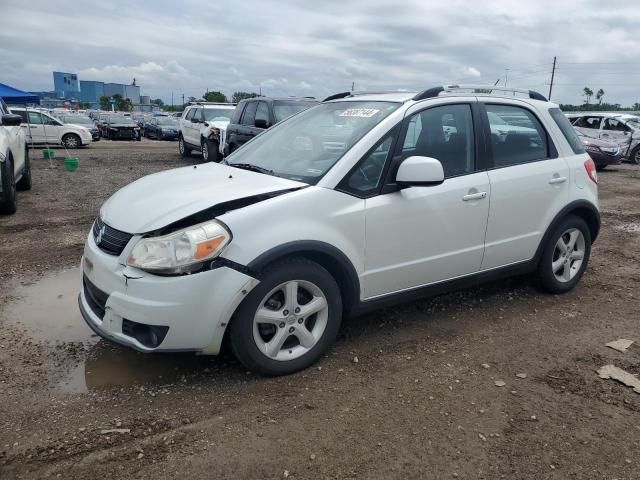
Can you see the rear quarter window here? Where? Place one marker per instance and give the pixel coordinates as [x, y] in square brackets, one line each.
[567, 130]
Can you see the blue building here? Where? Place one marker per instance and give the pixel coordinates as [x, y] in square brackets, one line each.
[91, 91]
[132, 92]
[66, 85]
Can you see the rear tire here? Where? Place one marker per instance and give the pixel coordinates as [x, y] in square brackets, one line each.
[287, 341]
[25, 181]
[182, 148]
[565, 256]
[8, 197]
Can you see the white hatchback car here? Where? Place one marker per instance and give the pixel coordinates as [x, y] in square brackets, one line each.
[358, 202]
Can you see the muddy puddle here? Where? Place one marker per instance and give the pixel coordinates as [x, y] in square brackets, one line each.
[48, 311]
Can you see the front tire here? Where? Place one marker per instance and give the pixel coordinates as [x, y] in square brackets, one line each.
[71, 140]
[182, 148]
[8, 197]
[25, 181]
[565, 256]
[635, 155]
[289, 320]
[204, 145]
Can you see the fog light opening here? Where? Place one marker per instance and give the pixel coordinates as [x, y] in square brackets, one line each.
[151, 336]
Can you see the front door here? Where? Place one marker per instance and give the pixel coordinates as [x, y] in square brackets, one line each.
[615, 131]
[422, 235]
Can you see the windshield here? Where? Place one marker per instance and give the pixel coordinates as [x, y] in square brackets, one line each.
[305, 147]
[77, 119]
[218, 114]
[121, 120]
[284, 109]
[166, 121]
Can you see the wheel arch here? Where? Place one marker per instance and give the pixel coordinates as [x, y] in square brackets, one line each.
[580, 208]
[325, 255]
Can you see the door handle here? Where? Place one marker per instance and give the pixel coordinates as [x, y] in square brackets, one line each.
[474, 196]
[557, 180]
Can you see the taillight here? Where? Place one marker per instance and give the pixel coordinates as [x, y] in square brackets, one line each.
[590, 167]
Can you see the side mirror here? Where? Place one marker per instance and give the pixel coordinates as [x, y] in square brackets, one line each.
[11, 120]
[420, 172]
[261, 123]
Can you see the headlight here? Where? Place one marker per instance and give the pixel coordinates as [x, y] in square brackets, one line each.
[182, 251]
[611, 150]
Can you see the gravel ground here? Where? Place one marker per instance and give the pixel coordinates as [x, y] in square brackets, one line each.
[408, 392]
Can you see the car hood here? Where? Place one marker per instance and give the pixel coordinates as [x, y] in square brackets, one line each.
[122, 125]
[222, 125]
[88, 127]
[163, 198]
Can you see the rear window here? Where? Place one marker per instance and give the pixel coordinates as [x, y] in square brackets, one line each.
[567, 130]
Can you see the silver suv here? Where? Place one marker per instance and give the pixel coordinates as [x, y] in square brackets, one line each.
[202, 128]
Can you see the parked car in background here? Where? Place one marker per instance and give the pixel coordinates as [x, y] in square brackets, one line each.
[121, 128]
[41, 128]
[161, 128]
[83, 121]
[254, 115]
[603, 153]
[622, 129]
[202, 128]
[15, 168]
[271, 249]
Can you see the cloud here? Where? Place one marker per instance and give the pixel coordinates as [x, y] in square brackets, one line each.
[296, 48]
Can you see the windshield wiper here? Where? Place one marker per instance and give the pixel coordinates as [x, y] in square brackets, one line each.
[251, 167]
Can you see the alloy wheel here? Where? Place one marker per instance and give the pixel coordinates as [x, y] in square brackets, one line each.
[181, 146]
[71, 141]
[205, 151]
[568, 255]
[290, 320]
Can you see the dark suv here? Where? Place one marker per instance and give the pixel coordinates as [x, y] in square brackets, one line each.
[253, 115]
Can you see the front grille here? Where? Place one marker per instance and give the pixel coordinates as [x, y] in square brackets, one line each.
[108, 239]
[96, 298]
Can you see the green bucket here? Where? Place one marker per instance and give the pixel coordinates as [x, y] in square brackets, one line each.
[48, 153]
[71, 163]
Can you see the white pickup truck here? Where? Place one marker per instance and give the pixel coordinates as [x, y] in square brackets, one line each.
[15, 169]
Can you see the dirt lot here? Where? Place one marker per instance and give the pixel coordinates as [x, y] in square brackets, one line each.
[419, 402]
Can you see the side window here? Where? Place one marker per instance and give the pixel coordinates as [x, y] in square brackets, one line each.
[262, 112]
[22, 113]
[444, 133]
[588, 122]
[35, 118]
[518, 137]
[615, 125]
[249, 115]
[567, 130]
[364, 179]
[197, 113]
[189, 114]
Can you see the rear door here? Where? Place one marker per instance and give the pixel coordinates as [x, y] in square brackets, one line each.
[36, 127]
[529, 184]
[588, 125]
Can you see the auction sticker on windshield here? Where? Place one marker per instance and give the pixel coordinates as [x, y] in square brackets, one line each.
[359, 112]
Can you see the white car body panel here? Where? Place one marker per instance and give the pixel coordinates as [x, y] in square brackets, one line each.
[160, 199]
[51, 133]
[395, 242]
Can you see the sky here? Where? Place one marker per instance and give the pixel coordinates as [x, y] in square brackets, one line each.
[296, 47]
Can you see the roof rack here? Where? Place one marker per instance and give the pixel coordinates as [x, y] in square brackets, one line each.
[477, 90]
[358, 93]
[211, 103]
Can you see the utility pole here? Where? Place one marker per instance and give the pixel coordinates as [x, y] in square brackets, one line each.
[183, 99]
[553, 72]
[172, 101]
[353, 86]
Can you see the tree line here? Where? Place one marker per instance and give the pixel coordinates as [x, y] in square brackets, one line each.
[588, 94]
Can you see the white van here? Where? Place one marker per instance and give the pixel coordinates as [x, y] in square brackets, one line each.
[41, 128]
